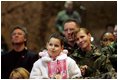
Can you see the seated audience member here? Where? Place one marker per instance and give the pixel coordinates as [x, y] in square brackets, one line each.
[19, 73]
[69, 43]
[111, 50]
[54, 63]
[20, 55]
[107, 39]
[92, 62]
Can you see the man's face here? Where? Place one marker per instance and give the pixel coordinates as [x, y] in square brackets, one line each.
[18, 36]
[107, 39]
[69, 29]
[70, 7]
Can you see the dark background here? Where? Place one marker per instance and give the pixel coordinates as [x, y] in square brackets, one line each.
[39, 18]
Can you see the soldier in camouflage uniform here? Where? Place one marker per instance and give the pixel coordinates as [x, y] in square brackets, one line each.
[92, 63]
[106, 39]
[69, 40]
[111, 50]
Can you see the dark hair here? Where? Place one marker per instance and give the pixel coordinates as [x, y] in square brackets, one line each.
[57, 36]
[101, 39]
[21, 28]
[110, 25]
[72, 20]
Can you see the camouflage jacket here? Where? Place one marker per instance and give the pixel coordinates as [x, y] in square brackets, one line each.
[97, 62]
[111, 52]
[70, 48]
[111, 49]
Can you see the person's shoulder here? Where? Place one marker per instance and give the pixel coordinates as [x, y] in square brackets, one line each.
[70, 60]
[38, 62]
[96, 51]
[7, 56]
[8, 53]
[61, 12]
[76, 11]
[32, 53]
[78, 52]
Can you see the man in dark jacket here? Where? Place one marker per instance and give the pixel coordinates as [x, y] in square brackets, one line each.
[19, 56]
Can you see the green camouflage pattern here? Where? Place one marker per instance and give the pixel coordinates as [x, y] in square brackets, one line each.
[98, 64]
[111, 52]
[62, 16]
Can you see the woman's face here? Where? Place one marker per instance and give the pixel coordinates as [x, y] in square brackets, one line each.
[83, 40]
[54, 47]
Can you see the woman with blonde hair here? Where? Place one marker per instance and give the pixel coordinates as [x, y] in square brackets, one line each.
[19, 73]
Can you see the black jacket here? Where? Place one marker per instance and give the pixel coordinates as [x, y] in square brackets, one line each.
[13, 59]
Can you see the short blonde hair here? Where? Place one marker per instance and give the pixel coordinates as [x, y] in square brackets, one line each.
[81, 29]
[19, 73]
